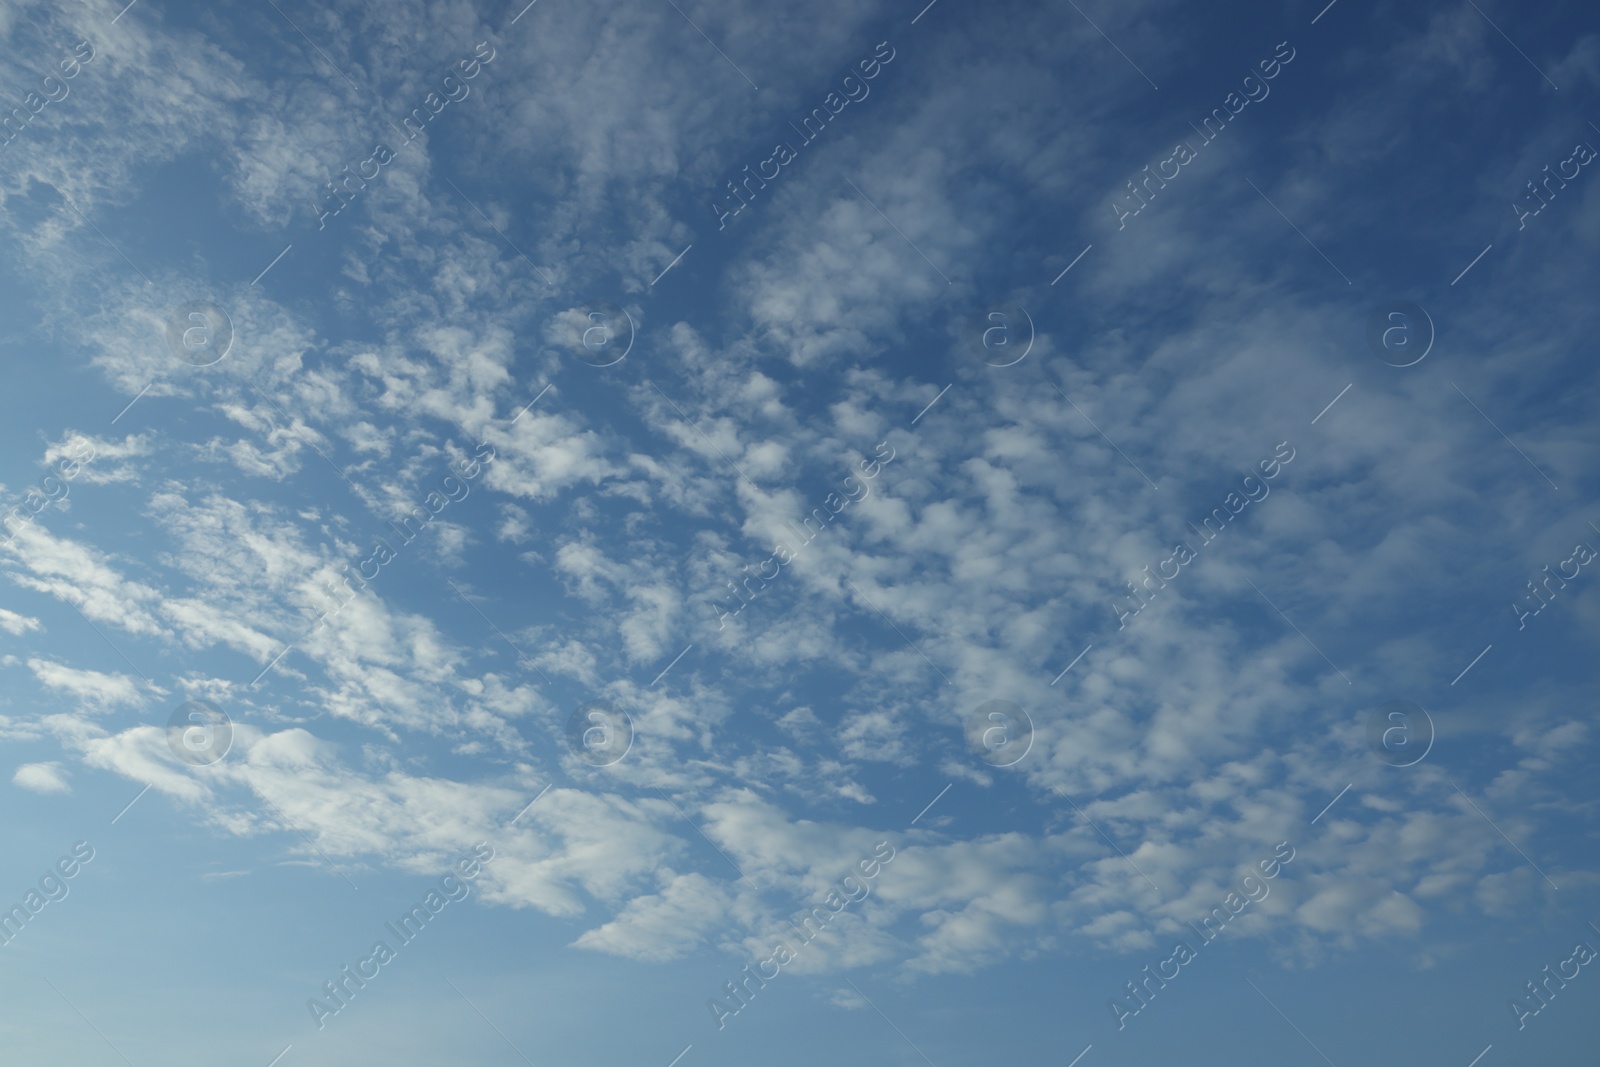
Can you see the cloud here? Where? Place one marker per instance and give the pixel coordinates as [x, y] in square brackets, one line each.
[847, 999]
[98, 690]
[42, 778]
[17, 625]
[665, 925]
[991, 550]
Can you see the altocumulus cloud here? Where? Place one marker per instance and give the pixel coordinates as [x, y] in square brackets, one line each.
[422, 717]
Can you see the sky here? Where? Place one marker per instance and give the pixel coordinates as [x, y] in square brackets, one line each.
[687, 532]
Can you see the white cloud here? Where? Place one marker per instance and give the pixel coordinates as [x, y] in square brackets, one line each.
[15, 624]
[96, 689]
[664, 925]
[995, 540]
[42, 778]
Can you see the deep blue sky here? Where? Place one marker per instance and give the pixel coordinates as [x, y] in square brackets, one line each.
[742, 764]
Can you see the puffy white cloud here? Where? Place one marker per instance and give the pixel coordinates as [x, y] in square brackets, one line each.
[15, 624]
[96, 690]
[42, 778]
[664, 925]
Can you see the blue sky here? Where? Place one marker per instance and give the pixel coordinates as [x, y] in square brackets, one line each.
[1335, 324]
